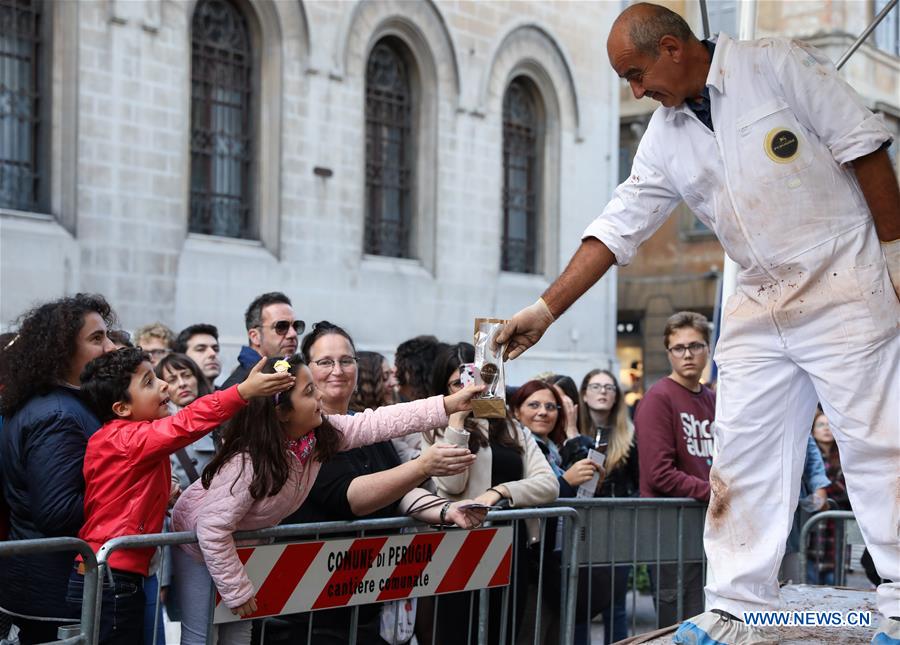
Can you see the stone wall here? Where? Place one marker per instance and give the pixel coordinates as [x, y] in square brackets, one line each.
[124, 229]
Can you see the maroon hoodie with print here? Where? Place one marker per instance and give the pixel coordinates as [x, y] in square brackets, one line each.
[673, 427]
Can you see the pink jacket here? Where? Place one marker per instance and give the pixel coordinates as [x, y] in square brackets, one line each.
[228, 507]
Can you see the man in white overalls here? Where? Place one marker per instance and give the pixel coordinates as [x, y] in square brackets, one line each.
[782, 160]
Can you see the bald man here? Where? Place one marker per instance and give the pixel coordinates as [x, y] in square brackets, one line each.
[778, 156]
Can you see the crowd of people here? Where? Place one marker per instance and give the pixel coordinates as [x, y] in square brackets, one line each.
[107, 434]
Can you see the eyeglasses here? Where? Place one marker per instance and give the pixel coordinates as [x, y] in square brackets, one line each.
[601, 387]
[345, 362]
[679, 350]
[537, 405]
[454, 386]
[158, 353]
[281, 327]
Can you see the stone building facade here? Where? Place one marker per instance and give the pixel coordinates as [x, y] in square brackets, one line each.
[680, 265]
[115, 165]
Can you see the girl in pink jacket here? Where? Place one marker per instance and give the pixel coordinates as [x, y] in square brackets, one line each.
[272, 452]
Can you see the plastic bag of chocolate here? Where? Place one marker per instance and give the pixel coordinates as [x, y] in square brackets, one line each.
[490, 404]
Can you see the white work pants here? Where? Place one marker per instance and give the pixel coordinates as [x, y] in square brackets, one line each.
[824, 327]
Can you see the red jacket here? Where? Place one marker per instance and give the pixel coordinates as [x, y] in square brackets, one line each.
[128, 477]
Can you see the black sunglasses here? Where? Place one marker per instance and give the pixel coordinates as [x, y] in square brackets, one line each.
[281, 327]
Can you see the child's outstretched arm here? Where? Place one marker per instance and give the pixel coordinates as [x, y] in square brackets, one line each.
[397, 420]
[259, 384]
[164, 436]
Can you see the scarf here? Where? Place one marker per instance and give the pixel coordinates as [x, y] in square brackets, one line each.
[303, 447]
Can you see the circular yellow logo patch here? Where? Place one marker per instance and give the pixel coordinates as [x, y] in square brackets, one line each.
[781, 145]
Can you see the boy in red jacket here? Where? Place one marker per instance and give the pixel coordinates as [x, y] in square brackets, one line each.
[127, 472]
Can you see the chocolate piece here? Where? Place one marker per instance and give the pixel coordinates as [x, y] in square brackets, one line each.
[489, 373]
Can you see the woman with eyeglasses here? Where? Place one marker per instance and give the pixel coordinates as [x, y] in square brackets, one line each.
[367, 482]
[538, 406]
[605, 426]
[509, 469]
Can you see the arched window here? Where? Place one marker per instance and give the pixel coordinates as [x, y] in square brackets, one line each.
[522, 130]
[389, 151]
[222, 132]
[20, 123]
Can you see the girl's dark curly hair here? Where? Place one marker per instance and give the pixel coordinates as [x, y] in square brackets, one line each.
[415, 361]
[255, 431]
[369, 392]
[46, 341]
[447, 361]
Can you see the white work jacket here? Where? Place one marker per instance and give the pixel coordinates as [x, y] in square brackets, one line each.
[771, 181]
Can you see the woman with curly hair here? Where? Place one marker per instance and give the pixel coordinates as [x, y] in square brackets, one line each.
[414, 360]
[370, 384]
[45, 433]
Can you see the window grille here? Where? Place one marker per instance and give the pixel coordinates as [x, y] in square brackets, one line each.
[20, 52]
[222, 136]
[388, 153]
[887, 33]
[521, 132]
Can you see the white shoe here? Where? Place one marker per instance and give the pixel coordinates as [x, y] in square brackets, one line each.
[888, 632]
[718, 628]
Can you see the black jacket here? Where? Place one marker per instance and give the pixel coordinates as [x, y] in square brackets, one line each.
[623, 481]
[327, 502]
[42, 450]
[247, 358]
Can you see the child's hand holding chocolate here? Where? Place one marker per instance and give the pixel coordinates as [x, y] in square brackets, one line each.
[259, 383]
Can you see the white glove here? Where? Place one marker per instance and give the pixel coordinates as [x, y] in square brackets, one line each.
[525, 329]
[892, 259]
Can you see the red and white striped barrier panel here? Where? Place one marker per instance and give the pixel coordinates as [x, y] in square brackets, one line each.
[306, 576]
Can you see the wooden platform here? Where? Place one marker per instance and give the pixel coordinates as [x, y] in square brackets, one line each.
[805, 598]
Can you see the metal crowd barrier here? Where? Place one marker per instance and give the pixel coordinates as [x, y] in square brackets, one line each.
[569, 516]
[662, 536]
[846, 533]
[85, 631]
[653, 535]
